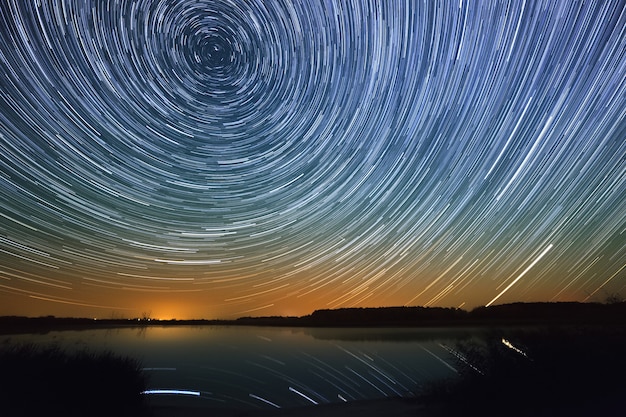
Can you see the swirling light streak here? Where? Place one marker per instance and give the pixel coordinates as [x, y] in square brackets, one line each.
[279, 156]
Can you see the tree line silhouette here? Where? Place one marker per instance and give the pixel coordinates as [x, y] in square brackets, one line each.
[505, 314]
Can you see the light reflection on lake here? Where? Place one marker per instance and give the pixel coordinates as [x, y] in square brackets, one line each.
[263, 367]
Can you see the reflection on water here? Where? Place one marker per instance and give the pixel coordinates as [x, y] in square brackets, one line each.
[393, 334]
[262, 367]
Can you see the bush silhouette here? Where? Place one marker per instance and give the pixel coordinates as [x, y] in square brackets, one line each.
[49, 381]
[571, 371]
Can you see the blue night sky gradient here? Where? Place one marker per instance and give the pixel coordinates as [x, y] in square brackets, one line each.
[227, 158]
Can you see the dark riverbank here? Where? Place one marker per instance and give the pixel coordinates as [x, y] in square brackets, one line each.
[401, 407]
[48, 381]
[538, 371]
[396, 407]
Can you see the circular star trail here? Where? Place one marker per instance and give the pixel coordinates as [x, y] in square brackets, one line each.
[216, 158]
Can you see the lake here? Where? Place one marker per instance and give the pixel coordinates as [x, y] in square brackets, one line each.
[267, 367]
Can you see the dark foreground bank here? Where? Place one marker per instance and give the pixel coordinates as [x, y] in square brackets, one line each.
[47, 381]
[397, 407]
[548, 371]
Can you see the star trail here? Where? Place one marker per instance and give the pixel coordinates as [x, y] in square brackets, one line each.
[223, 158]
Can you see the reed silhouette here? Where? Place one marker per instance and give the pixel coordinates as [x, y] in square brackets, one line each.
[548, 371]
[49, 381]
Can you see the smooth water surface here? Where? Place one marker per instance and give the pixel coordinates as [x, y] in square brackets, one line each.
[265, 367]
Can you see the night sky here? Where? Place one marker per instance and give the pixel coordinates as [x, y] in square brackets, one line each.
[216, 159]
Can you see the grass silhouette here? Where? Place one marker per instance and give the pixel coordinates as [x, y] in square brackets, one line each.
[48, 381]
[573, 371]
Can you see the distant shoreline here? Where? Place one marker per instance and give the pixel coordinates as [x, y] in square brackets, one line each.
[516, 314]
